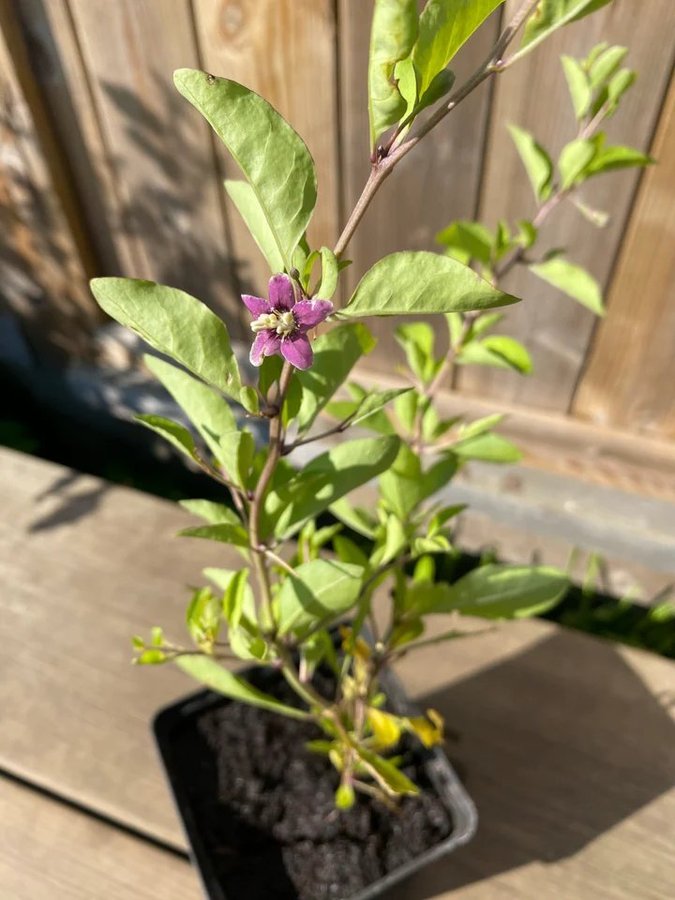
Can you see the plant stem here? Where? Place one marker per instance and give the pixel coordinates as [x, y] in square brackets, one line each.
[430, 391]
[377, 175]
[276, 438]
[337, 429]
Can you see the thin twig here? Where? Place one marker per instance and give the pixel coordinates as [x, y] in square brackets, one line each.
[276, 439]
[337, 429]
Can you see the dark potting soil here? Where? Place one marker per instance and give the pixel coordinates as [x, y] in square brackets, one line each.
[264, 805]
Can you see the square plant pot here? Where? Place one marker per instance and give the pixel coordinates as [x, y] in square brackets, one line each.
[271, 832]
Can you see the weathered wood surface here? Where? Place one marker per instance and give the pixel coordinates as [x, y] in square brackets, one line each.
[50, 851]
[168, 212]
[566, 742]
[534, 95]
[44, 257]
[635, 388]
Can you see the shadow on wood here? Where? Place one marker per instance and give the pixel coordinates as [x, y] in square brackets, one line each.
[72, 505]
[560, 744]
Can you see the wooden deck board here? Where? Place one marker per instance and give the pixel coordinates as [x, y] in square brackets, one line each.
[49, 851]
[567, 742]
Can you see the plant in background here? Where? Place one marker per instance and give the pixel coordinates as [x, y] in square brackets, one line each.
[298, 577]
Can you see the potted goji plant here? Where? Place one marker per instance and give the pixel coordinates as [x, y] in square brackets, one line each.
[309, 775]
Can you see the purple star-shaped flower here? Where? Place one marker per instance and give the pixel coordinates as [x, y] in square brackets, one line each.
[281, 323]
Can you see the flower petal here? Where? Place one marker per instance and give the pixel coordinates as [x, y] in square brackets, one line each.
[281, 292]
[266, 343]
[257, 306]
[297, 350]
[309, 313]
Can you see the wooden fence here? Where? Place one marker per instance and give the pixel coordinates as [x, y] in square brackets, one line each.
[105, 169]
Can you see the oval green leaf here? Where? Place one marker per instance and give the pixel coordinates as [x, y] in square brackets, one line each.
[177, 325]
[412, 283]
[272, 156]
[210, 673]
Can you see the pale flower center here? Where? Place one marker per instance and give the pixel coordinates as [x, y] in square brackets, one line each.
[282, 322]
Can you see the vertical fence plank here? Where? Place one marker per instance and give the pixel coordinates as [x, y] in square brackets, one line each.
[286, 52]
[437, 182]
[629, 382]
[44, 256]
[58, 68]
[534, 95]
[161, 155]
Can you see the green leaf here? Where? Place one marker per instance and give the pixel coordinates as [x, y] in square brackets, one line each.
[499, 351]
[406, 407]
[172, 432]
[495, 592]
[419, 282]
[329, 274]
[179, 326]
[578, 84]
[272, 156]
[376, 401]
[224, 532]
[606, 65]
[335, 353]
[417, 340]
[207, 410]
[468, 240]
[511, 351]
[405, 485]
[151, 657]
[488, 447]
[439, 87]
[574, 160]
[214, 513]
[551, 15]
[244, 198]
[392, 777]
[203, 616]
[406, 82]
[348, 551]
[444, 26]
[480, 426]
[608, 159]
[392, 37]
[537, 162]
[527, 234]
[318, 592]
[572, 280]
[327, 478]
[356, 519]
[206, 670]
[238, 599]
[617, 87]
[157, 636]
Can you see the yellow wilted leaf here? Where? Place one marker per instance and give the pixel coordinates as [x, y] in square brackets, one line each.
[429, 728]
[386, 728]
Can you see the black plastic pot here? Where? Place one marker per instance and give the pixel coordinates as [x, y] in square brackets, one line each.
[172, 721]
